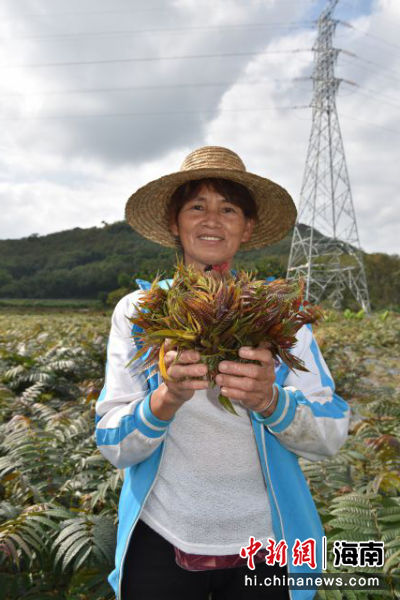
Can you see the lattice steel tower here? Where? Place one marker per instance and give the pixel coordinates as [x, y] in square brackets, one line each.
[325, 246]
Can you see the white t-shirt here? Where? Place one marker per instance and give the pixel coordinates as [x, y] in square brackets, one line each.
[209, 495]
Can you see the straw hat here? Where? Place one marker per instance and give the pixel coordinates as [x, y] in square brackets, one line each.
[145, 210]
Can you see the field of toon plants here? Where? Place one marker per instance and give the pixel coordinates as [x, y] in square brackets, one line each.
[58, 496]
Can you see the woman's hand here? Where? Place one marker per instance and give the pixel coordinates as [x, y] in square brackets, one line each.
[248, 383]
[181, 383]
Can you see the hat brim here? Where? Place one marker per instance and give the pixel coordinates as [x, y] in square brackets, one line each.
[145, 210]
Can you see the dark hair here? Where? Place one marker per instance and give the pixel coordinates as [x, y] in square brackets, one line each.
[235, 192]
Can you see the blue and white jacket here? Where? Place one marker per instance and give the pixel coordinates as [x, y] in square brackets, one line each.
[310, 421]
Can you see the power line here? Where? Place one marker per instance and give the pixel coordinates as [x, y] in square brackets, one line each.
[367, 92]
[381, 67]
[188, 56]
[86, 13]
[185, 112]
[161, 8]
[153, 87]
[224, 84]
[370, 123]
[379, 97]
[380, 72]
[151, 113]
[151, 59]
[61, 36]
[377, 94]
[371, 35]
[372, 93]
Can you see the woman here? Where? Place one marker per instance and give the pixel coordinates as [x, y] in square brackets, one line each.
[199, 483]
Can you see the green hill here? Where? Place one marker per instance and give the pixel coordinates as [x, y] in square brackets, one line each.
[90, 263]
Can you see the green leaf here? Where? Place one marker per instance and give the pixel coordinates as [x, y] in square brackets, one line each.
[62, 549]
[66, 531]
[21, 543]
[227, 404]
[74, 549]
[81, 559]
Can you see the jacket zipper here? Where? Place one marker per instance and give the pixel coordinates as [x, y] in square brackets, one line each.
[152, 485]
[273, 494]
[132, 527]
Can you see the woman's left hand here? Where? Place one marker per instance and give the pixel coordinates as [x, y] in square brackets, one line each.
[248, 383]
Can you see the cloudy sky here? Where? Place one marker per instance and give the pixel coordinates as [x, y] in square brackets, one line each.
[98, 97]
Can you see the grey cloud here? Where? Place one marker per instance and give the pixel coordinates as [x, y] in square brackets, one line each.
[118, 140]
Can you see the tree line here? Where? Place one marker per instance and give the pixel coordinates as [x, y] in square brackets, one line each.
[97, 262]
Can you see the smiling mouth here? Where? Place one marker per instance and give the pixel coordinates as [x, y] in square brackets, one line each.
[210, 238]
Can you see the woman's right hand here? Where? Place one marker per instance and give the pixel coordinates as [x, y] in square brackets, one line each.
[183, 380]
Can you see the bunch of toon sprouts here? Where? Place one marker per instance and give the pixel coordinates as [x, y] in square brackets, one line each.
[215, 313]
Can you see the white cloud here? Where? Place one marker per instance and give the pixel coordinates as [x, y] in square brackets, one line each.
[62, 173]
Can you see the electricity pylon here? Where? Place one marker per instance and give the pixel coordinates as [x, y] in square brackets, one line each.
[325, 247]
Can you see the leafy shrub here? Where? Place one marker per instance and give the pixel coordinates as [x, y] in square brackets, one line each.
[59, 497]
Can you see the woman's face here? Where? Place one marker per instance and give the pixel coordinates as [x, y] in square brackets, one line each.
[211, 228]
